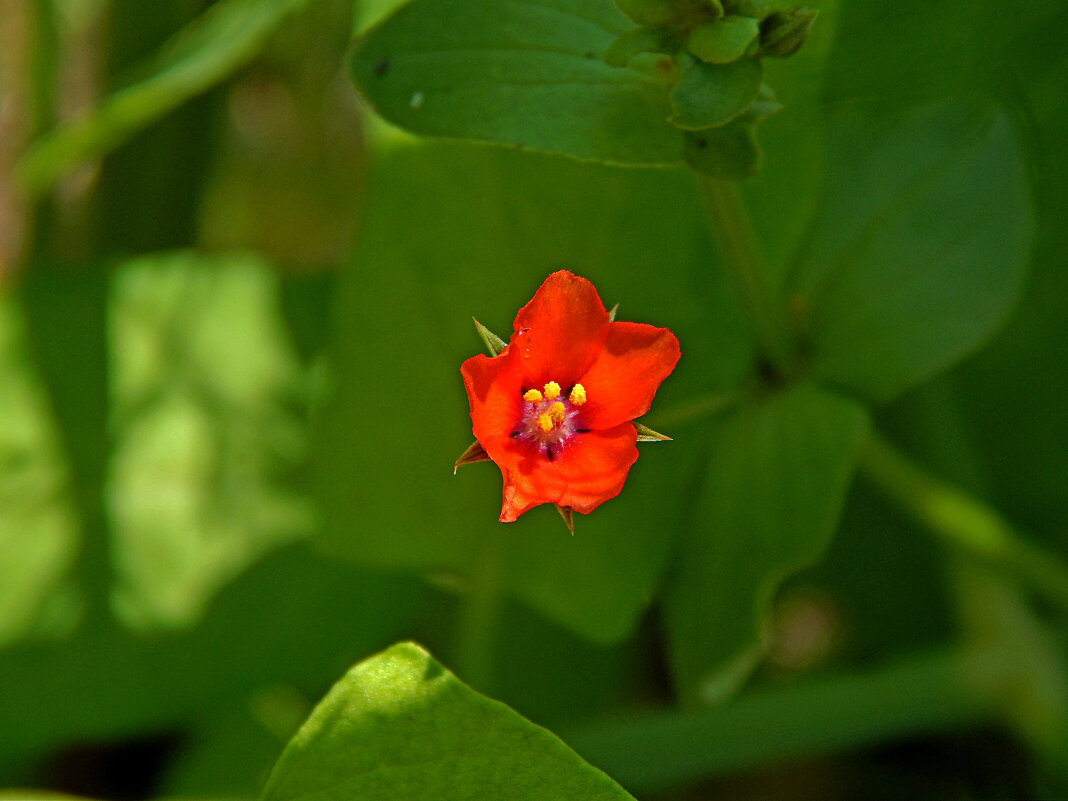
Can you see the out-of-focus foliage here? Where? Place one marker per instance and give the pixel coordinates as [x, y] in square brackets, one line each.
[232, 310]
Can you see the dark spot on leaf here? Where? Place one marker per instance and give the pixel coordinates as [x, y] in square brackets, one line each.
[701, 143]
[382, 67]
[589, 55]
[665, 64]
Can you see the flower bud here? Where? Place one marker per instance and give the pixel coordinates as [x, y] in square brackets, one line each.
[784, 32]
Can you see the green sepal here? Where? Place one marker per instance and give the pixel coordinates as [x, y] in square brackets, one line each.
[646, 434]
[724, 40]
[494, 344]
[709, 95]
[473, 454]
[732, 152]
[785, 32]
[639, 40]
[568, 515]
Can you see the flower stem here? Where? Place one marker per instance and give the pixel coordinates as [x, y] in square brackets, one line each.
[734, 236]
[965, 522]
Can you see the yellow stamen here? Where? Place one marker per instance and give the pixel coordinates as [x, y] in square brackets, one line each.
[552, 390]
[578, 395]
[532, 396]
[556, 412]
[545, 423]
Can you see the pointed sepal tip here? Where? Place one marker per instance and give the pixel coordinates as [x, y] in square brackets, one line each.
[494, 344]
[474, 453]
[646, 434]
[569, 517]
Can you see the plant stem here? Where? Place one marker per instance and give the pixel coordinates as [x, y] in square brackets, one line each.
[481, 614]
[941, 691]
[734, 235]
[965, 522]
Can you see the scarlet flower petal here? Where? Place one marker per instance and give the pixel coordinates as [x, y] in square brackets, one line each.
[494, 394]
[588, 472]
[621, 383]
[559, 332]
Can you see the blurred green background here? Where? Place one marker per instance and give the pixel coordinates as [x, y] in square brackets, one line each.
[233, 306]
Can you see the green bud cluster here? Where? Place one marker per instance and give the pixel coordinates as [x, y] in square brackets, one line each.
[715, 48]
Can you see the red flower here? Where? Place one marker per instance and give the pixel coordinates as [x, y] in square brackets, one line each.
[554, 408]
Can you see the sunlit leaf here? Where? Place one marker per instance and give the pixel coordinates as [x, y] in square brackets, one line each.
[400, 727]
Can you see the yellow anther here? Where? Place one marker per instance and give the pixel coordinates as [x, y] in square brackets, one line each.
[556, 412]
[552, 390]
[545, 422]
[532, 396]
[578, 395]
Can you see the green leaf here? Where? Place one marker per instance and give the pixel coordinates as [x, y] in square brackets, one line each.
[777, 479]
[399, 726]
[920, 248]
[521, 73]
[723, 40]
[650, 12]
[399, 403]
[708, 95]
[211, 48]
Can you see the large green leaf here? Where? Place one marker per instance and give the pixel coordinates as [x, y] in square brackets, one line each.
[775, 487]
[523, 73]
[399, 726]
[456, 231]
[920, 248]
